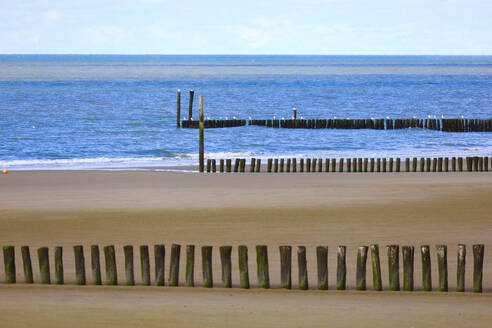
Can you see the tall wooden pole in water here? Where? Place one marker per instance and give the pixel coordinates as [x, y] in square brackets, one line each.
[200, 127]
[178, 110]
[190, 109]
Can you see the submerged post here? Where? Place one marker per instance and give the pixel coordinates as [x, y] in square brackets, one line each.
[178, 110]
[200, 133]
[190, 109]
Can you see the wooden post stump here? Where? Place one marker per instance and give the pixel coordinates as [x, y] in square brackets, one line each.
[341, 268]
[59, 266]
[269, 165]
[243, 267]
[252, 165]
[384, 164]
[258, 165]
[333, 165]
[78, 252]
[340, 165]
[242, 165]
[294, 165]
[372, 164]
[301, 165]
[394, 267]
[190, 265]
[453, 164]
[262, 266]
[460, 272]
[9, 263]
[228, 165]
[174, 265]
[129, 271]
[208, 281]
[27, 264]
[426, 268]
[281, 165]
[221, 165]
[287, 166]
[460, 164]
[225, 260]
[302, 267]
[322, 259]
[477, 267]
[360, 278]
[44, 265]
[407, 164]
[159, 256]
[285, 267]
[145, 265]
[376, 268]
[414, 164]
[442, 266]
[446, 164]
[275, 165]
[201, 142]
[95, 265]
[178, 110]
[408, 260]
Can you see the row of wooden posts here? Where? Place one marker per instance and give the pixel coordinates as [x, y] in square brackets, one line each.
[436, 164]
[261, 263]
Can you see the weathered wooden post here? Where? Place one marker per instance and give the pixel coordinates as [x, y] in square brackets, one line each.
[365, 164]
[426, 268]
[460, 271]
[209, 165]
[236, 165]
[275, 165]
[44, 265]
[252, 165]
[178, 111]
[95, 265]
[376, 268]
[394, 267]
[372, 165]
[308, 165]
[258, 165]
[228, 165]
[201, 144]
[301, 165]
[9, 263]
[225, 260]
[302, 267]
[294, 165]
[407, 164]
[269, 165]
[242, 165]
[287, 166]
[322, 259]
[442, 266]
[341, 267]
[262, 266]
[129, 272]
[453, 164]
[391, 164]
[27, 264]
[145, 265]
[340, 165]
[446, 164]
[190, 107]
[281, 165]
[360, 277]
[408, 260]
[190, 265]
[359, 165]
[398, 164]
[78, 252]
[333, 165]
[243, 266]
[295, 113]
[174, 265]
[214, 166]
[414, 164]
[427, 164]
[422, 164]
[285, 267]
[110, 259]
[59, 265]
[460, 164]
[208, 281]
[159, 256]
[439, 164]
[477, 267]
[349, 165]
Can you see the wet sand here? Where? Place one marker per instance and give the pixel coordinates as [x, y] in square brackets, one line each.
[66, 208]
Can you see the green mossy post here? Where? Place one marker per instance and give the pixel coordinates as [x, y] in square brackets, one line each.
[269, 165]
[394, 267]
[478, 251]
[460, 271]
[341, 268]
[258, 165]
[44, 265]
[190, 107]
[460, 164]
[95, 265]
[190, 265]
[242, 165]
[27, 264]
[372, 164]
[285, 267]
[9, 262]
[225, 261]
[159, 257]
[408, 261]
[243, 266]
[129, 271]
[333, 165]
[78, 252]
[340, 165]
[208, 281]
[228, 165]
[59, 265]
[384, 164]
[178, 110]
[427, 165]
[414, 164]
[360, 277]
[322, 261]
[302, 267]
[426, 268]
[252, 165]
[294, 165]
[145, 265]
[174, 265]
[110, 261]
[376, 268]
[442, 266]
[201, 144]
[262, 266]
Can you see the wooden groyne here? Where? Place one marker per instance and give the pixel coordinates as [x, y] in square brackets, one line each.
[262, 266]
[213, 124]
[352, 165]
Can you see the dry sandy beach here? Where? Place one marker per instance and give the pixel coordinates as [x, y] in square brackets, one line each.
[66, 208]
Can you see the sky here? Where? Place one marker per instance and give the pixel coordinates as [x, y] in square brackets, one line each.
[330, 27]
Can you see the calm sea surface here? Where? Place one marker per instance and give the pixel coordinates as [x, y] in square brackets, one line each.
[81, 112]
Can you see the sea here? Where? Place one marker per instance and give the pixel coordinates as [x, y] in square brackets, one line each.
[113, 112]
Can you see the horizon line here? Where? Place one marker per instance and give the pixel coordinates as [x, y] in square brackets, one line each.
[232, 54]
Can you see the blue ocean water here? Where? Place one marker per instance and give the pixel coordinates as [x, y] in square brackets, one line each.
[110, 111]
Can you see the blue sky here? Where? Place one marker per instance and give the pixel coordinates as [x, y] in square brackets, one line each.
[447, 27]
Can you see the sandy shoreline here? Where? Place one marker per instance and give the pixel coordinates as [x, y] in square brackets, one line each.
[64, 208]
